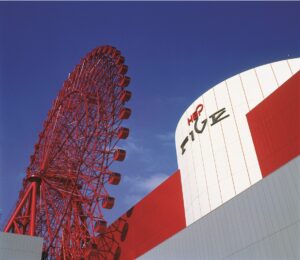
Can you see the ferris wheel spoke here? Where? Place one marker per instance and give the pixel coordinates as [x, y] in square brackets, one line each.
[45, 207]
[71, 162]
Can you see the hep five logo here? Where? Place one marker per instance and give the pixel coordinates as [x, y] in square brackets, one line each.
[199, 127]
[196, 114]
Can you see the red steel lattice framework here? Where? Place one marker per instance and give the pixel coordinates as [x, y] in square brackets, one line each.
[64, 190]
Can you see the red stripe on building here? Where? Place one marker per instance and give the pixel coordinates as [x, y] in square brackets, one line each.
[275, 126]
[151, 221]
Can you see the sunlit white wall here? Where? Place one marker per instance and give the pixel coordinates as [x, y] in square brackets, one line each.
[221, 162]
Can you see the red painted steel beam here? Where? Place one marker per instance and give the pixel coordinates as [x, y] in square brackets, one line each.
[33, 209]
[17, 210]
[62, 195]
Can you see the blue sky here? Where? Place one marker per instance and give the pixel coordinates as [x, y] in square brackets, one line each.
[175, 51]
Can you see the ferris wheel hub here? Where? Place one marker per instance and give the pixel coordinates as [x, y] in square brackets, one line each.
[34, 178]
[64, 193]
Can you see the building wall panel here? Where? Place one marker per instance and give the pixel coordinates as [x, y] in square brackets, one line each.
[151, 221]
[267, 79]
[13, 246]
[294, 64]
[221, 161]
[275, 126]
[252, 225]
[281, 71]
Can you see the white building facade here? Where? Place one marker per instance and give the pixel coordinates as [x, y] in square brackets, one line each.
[215, 151]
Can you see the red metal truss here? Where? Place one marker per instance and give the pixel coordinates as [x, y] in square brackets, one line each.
[64, 190]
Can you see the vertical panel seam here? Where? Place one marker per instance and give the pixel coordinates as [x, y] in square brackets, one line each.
[236, 125]
[274, 75]
[190, 184]
[205, 179]
[187, 205]
[242, 84]
[212, 149]
[194, 174]
[288, 63]
[203, 165]
[225, 146]
[244, 155]
[259, 83]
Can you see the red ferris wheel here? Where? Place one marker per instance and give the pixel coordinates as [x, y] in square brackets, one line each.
[64, 191]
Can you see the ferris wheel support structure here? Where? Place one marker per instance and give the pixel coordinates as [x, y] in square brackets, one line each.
[64, 191]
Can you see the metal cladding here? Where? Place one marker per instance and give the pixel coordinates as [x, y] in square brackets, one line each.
[266, 216]
[215, 151]
[152, 220]
[218, 157]
[254, 221]
[64, 190]
[13, 246]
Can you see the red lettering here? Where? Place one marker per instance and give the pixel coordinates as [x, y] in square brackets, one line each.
[196, 114]
[190, 120]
